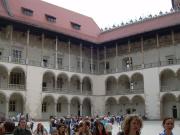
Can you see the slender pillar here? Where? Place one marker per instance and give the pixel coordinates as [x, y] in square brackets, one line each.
[7, 108]
[56, 53]
[69, 48]
[55, 108]
[92, 70]
[98, 59]
[69, 108]
[142, 51]
[81, 65]
[157, 44]
[42, 48]
[105, 60]
[117, 57]
[173, 43]
[11, 42]
[80, 109]
[81, 87]
[27, 47]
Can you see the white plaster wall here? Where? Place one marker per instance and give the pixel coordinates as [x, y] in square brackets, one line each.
[34, 91]
[152, 93]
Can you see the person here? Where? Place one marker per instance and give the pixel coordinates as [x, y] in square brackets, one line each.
[168, 125]
[2, 130]
[62, 129]
[9, 127]
[100, 129]
[21, 129]
[132, 125]
[40, 130]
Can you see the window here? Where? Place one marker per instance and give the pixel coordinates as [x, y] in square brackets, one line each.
[107, 65]
[78, 64]
[27, 12]
[16, 55]
[58, 107]
[45, 61]
[75, 26]
[92, 67]
[50, 18]
[44, 107]
[59, 62]
[1, 53]
[17, 78]
[12, 106]
[60, 83]
[127, 62]
[170, 59]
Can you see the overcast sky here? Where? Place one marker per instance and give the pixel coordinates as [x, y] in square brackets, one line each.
[113, 12]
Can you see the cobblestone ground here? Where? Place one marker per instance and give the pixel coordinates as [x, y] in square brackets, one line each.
[149, 127]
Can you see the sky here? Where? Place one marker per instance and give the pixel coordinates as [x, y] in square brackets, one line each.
[107, 13]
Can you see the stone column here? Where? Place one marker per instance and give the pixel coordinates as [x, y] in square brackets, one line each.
[80, 109]
[69, 108]
[7, 108]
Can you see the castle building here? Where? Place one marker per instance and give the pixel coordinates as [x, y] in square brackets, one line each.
[54, 61]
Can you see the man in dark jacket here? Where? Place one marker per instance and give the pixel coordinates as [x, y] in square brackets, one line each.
[21, 129]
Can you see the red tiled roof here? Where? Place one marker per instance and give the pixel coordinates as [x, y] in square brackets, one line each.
[89, 30]
[141, 27]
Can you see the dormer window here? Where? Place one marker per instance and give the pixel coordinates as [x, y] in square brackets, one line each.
[75, 26]
[50, 18]
[27, 11]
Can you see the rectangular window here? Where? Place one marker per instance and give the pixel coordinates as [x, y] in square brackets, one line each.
[107, 66]
[16, 55]
[58, 107]
[78, 64]
[59, 62]
[92, 67]
[27, 12]
[50, 18]
[1, 53]
[12, 106]
[44, 107]
[45, 61]
[170, 59]
[75, 26]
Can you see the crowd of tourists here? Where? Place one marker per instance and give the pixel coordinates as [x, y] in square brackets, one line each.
[130, 125]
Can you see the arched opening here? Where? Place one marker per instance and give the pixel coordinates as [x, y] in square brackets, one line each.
[86, 86]
[16, 105]
[168, 80]
[75, 86]
[62, 82]
[169, 106]
[3, 77]
[111, 106]
[111, 85]
[124, 106]
[62, 107]
[17, 79]
[48, 83]
[138, 105]
[137, 83]
[75, 106]
[86, 107]
[123, 84]
[48, 107]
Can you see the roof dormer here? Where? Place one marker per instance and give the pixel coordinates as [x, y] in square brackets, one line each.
[26, 11]
[50, 18]
[75, 26]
